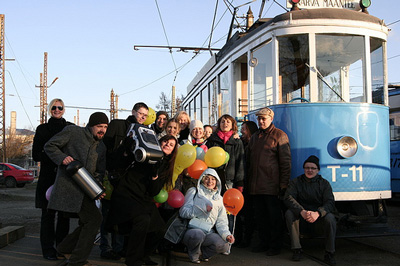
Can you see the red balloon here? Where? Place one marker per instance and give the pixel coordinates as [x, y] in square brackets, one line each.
[175, 198]
[196, 169]
[204, 147]
[233, 201]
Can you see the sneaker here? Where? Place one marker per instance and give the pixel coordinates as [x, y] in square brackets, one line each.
[110, 255]
[195, 261]
[297, 254]
[205, 259]
[329, 258]
[273, 252]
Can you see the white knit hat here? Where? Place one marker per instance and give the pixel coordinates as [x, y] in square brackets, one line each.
[195, 123]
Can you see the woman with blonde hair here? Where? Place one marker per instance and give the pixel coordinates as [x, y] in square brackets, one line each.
[50, 235]
[184, 120]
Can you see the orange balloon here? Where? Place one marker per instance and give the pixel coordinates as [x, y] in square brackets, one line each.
[196, 169]
[233, 201]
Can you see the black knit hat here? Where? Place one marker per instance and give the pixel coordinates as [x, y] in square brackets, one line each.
[162, 113]
[312, 159]
[97, 118]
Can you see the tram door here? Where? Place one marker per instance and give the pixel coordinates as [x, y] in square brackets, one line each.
[240, 87]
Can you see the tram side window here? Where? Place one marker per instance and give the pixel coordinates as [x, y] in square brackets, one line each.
[340, 64]
[293, 67]
[376, 50]
[224, 87]
[394, 122]
[197, 109]
[262, 90]
[205, 106]
[214, 102]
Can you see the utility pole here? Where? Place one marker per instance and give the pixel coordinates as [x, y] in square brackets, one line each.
[112, 105]
[173, 104]
[2, 92]
[43, 91]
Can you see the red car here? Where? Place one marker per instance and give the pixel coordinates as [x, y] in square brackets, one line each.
[14, 175]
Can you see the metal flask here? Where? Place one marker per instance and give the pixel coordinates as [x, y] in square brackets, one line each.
[84, 180]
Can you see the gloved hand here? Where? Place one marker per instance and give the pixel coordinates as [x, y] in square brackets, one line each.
[240, 189]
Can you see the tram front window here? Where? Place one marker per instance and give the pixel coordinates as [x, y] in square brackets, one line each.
[376, 50]
[262, 89]
[293, 67]
[340, 64]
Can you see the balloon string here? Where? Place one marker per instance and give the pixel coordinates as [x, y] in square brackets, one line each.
[233, 232]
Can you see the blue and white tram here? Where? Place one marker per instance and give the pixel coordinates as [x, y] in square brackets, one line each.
[323, 72]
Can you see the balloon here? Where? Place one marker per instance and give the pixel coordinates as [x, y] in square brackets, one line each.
[48, 192]
[161, 197]
[200, 153]
[226, 158]
[185, 157]
[196, 169]
[204, 147]
[233, 201]
[151, 117]
[215, 157]
[175, 198]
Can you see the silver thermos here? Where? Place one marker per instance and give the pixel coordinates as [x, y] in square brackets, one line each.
[84, 180]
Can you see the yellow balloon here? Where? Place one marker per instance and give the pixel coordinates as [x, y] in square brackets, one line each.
[151, 117]
[185, 157]
[215, 157]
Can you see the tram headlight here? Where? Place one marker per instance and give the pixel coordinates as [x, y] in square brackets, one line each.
[347, 146]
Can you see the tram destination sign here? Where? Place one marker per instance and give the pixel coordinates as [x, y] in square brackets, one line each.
[310, 4]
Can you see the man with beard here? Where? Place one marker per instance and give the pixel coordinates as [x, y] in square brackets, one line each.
[76, 143]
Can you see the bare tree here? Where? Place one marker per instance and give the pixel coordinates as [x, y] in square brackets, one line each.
[164, 103]
[179, 102]
[18, 146]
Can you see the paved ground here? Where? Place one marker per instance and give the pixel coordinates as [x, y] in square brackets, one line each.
[17, 208]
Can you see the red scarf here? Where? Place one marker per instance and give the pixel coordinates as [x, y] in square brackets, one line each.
[225, 136]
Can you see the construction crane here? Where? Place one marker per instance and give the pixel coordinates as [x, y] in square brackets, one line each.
[3, 91]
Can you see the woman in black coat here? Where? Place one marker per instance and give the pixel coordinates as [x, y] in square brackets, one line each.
[48, 170]
[231, 173]
[133, 211]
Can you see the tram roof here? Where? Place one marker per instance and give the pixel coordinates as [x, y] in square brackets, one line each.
[319, 13]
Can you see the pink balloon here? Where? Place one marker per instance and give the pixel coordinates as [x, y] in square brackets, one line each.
[175, 198]
[48, 192]
[204, 147]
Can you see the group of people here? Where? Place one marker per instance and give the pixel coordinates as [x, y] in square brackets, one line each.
[130, 223]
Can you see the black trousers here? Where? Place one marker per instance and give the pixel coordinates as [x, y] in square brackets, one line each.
[80, 242]
[147, 231]
[52, 231]
[269, 220]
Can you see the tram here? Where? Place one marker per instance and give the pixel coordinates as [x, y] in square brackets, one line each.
[394, 123]
[324, 73]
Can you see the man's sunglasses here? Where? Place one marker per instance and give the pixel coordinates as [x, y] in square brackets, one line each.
[55, 108]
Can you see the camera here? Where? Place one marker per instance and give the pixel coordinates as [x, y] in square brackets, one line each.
[145, 148]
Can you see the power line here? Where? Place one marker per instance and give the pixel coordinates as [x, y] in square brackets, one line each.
[393, 22]
[19, 97]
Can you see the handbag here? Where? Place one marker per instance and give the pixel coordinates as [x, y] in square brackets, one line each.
[176, 228]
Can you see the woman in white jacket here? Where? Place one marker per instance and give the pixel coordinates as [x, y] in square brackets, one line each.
[208, 232]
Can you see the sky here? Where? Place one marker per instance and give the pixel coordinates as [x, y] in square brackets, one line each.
[90, 49]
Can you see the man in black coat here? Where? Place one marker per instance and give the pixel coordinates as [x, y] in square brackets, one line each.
[117, 160]
[310, 201]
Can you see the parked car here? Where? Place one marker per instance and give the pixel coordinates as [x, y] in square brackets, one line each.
[14, 175]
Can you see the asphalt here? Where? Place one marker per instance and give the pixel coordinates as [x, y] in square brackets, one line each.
[27, 252]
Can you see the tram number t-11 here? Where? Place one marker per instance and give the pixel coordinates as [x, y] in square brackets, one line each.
[354, 172]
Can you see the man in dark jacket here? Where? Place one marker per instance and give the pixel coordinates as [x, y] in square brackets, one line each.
[268, 163]
[83, 145]
[310, 200]
[117, 162]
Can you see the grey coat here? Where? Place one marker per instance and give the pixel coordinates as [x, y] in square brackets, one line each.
[79, 143]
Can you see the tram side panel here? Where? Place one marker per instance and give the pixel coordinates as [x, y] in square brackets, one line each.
[315, 128]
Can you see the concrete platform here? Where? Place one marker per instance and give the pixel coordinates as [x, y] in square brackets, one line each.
[27, 252]
[10, 234]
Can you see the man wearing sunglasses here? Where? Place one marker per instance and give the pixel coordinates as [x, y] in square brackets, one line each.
[311, 204]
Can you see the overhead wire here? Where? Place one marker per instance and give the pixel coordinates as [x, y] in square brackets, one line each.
[19, 97]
